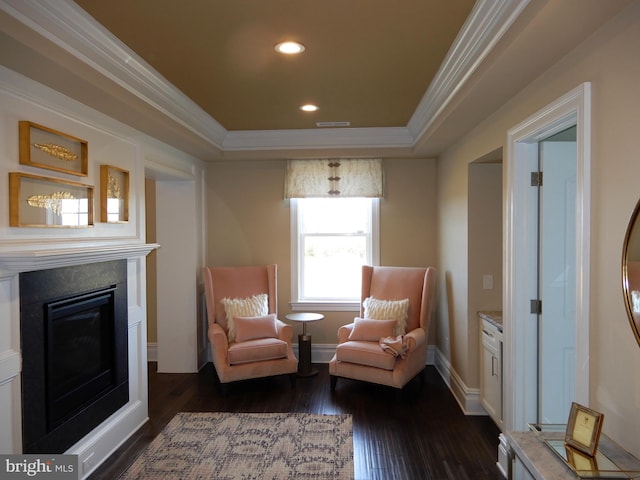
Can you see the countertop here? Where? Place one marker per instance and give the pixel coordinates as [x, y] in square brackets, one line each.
[542, 463]
[537, 458]
[494, 317]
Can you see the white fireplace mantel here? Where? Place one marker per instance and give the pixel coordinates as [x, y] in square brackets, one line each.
[27, 260]
[98, 445]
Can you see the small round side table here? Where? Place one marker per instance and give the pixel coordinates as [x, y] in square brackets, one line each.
[304, 342]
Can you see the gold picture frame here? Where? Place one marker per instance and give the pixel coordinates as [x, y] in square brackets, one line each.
[114, 194]
[583, 429]
[579, 461]
[36, 201]
[44, 147]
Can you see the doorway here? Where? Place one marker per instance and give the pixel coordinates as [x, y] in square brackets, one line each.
[179, 319]
[527, 353]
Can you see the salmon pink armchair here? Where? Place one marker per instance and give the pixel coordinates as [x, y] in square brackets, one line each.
[387, 344]
[247, 339]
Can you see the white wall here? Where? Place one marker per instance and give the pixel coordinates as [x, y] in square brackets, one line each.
[177, 267]
[609, 60]
[485, 249]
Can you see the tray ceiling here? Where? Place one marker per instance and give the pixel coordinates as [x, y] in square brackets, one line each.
[367, 62]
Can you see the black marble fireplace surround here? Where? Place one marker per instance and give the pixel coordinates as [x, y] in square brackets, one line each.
[73, 325]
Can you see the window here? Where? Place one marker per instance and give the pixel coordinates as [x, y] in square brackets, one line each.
[331, 239]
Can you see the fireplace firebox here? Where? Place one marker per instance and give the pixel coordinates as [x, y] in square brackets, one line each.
[73, 324]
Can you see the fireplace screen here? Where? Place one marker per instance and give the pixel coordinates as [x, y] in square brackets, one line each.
[73, 324]
[80, 352]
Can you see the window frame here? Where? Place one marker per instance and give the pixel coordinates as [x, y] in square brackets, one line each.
[328, 305]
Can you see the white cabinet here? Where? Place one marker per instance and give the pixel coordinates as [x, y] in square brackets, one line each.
[491, 369]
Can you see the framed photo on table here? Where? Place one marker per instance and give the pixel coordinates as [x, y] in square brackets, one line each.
[583, 429]
[44, 147]
[114, 194]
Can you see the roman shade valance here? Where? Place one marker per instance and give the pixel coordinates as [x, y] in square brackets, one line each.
[333, 177]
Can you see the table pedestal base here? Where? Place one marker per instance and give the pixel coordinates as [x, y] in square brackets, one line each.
[304, 353]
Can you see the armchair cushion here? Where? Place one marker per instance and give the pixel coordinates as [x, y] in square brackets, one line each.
[258, 350]
[365, 353]
[388, 310]
[255, 306]
[252, 328]
[371, 330]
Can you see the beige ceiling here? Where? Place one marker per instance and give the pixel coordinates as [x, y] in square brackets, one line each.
[367, 62]
[223, 94]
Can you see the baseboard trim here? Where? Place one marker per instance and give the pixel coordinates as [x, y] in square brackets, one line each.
[323, 352]
[467, 398]
[152, 352]
[320, 353]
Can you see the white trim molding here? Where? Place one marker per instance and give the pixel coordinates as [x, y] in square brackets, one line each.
[323, 352]
[467, 398]
[46, 257]
[152, 351]
[520, 332]
[320, 352]
[69, 27]
[488, 21]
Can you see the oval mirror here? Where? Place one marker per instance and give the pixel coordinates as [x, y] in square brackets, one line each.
[631, 271]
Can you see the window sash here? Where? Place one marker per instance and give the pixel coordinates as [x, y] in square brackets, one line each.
[307, 271]
[298, 239]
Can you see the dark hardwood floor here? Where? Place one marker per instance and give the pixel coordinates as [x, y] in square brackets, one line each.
[419, 433]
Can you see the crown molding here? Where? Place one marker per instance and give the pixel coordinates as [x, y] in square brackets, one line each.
[486, 24]
[382, 137]
[69, 27]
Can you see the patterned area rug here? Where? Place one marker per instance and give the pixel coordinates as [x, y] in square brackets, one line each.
[248, 446]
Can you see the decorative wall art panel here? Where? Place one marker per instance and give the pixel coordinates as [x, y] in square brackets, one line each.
[44, 147]
[36, 201]
[114, 194]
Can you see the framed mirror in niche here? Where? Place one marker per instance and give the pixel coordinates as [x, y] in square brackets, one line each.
[44, 147]
[36, 201]
[114, 194]
[631, 271]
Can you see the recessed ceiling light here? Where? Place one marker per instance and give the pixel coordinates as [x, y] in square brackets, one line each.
[289, 48]
[309, 108]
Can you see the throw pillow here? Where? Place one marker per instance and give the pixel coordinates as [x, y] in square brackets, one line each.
[255, 306]
[397, 310]
[252, 328]
[368, 330]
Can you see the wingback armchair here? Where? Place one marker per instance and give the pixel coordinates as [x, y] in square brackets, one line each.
[360, 354]
[247, 339]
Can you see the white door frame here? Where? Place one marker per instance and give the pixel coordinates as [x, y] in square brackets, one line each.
[520, 238]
